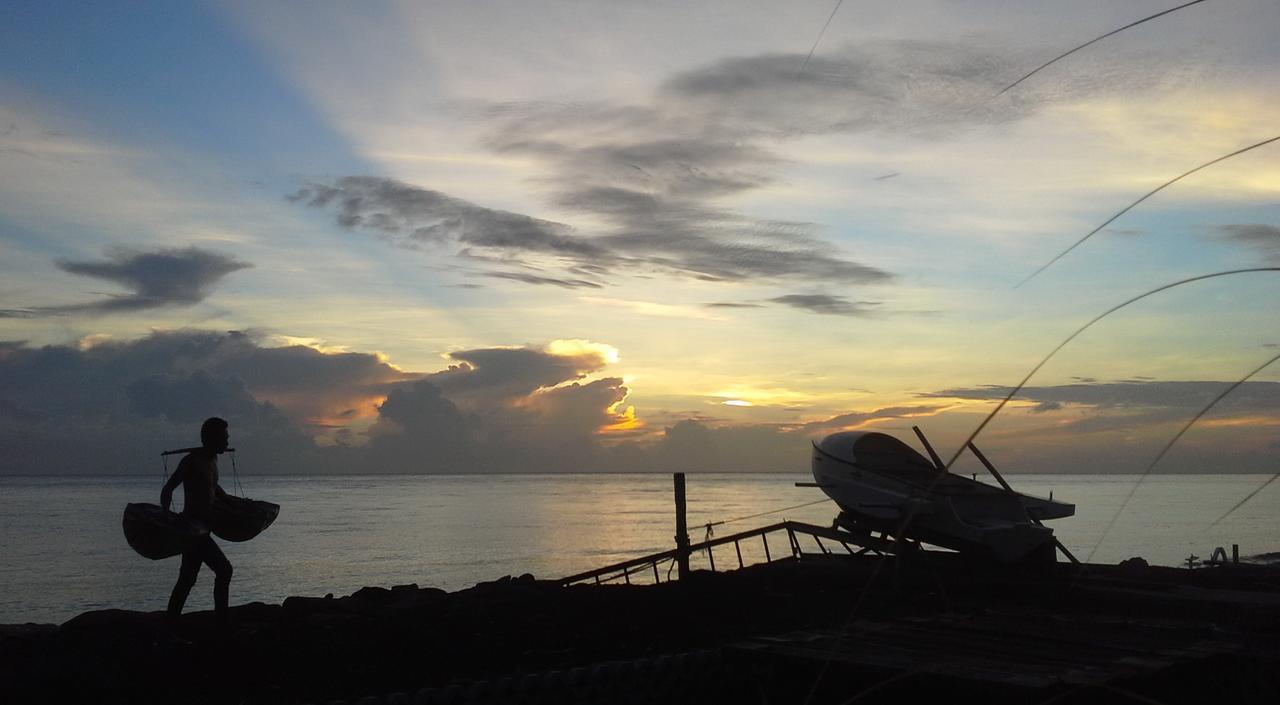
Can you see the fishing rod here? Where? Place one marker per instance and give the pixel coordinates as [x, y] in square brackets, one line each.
[1013, 392]
[914, 509]
[1242, 502]
[1129, 207]
[818, 41]
[1064, 55]
[1169, 445]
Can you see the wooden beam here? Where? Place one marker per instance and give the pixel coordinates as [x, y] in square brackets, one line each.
[682, 528]
[937, 461]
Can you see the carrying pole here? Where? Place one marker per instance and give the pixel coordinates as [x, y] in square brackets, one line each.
[192, 450]
[682, 529]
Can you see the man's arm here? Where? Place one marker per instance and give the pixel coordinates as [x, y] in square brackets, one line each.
[166, 492]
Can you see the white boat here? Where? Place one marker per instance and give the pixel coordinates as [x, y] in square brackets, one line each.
[878, 481]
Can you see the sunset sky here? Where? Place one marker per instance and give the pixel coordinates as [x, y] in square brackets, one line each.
[506, 236]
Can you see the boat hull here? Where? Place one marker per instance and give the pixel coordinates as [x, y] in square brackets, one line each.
[883, 485]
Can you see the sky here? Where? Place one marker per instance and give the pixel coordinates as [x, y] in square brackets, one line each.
[589, 236]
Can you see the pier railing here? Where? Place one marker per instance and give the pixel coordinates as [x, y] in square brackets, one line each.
[798, 534]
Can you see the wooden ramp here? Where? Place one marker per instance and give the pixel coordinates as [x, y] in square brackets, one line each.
[989, 652]
[792, 540]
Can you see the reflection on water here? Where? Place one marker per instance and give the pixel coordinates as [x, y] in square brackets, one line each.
[65, 552]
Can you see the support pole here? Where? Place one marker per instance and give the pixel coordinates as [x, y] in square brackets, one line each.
[933, 454]
[990, 468]
[682, 529]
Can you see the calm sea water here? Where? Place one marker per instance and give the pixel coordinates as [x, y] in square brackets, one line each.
[64, 552]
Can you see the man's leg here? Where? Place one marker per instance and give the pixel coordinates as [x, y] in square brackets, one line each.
[186, 578]
[215, 559]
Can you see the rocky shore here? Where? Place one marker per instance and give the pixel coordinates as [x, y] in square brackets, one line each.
[875, 628]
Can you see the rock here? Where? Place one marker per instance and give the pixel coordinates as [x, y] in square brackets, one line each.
[1135, 566]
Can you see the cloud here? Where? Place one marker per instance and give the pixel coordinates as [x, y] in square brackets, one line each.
[108, 406]
[827, 304]
[646, 234]
[1264, 238]
[858, 418]
[158, 279]
[899, 86]
[186, 398]
[419, 430]
[551, 281]
[576, 411]
[652, 308]
[656, 175]
[502, 409]
[393, 208]
[495, 375]
[1183, 396]
[692, 445]
[885, 85]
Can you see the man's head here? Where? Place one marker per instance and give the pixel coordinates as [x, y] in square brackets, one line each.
[214, 434]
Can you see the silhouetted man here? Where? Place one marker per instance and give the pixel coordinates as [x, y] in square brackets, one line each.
[198, 473]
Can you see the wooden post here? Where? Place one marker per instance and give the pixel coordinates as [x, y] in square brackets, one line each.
[682, 529]
[1235, 554]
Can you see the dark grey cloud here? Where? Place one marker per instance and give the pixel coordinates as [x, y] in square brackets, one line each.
[110, 407]
[647, 233]
[901, 86]
[417, 422]
[858, 418]
[507, 373]
[394, 208]
[732, 304]
[696, 446]
[655, 175]
[173, 396]
[157, 279]
[652, 177]
[1134, 394]
[888, 85]
[1261, 237]
[827, 304]
[549, 281]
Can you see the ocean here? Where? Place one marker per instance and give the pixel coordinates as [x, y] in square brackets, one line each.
[64, 551]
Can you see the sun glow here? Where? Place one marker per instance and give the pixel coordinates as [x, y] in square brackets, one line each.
[576, 347]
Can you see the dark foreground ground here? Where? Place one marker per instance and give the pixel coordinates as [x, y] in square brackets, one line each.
[821, 630]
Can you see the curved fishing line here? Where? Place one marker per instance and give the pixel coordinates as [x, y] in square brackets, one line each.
[900, 534]
[1092, 41]
[1165, 449]
[818, 41]
[1013, 392]
[1130, 207]
[1242, 502]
